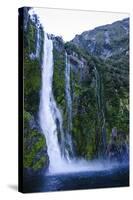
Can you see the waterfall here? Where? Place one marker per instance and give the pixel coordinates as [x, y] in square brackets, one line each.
[37, 41]
[49, 112]
[69, 105]
[68, 93]
[34, 55]
[101, 114]
[51, 120]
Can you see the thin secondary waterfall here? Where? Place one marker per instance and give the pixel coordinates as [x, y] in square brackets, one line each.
[69, 104]
[101, 114]
[35, 54]
[68, 93]
[49, 112]
[38, 37]
[38, 41]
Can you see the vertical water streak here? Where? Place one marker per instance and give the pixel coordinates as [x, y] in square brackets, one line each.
[68, 94]
[69, 105]
[34, 55]
[101, 114]
[49, 113]
[37, 41]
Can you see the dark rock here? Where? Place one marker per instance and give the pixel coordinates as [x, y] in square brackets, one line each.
[58, 43]
[118, 148]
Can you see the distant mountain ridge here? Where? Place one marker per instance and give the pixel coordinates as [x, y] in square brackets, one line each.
[105, 41]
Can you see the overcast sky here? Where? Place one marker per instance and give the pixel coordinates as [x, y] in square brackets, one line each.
[68, 23]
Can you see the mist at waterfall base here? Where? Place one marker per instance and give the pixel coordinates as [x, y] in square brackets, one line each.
[116, 177]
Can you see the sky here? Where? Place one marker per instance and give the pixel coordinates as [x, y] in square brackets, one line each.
[68, 23]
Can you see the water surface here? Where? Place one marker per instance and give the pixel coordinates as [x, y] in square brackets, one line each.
[81, 180]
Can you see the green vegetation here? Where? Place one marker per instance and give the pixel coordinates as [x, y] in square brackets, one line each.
[110, 94]
[35, 157]
[34, 143]
[99, 91]
[59, 78]
[97, 100]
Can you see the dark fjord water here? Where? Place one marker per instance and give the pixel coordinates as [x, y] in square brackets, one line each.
[82, 180]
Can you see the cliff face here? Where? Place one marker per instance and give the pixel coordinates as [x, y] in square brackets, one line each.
[99, 91]
[87, 117]
[99, 86]
[35, 150]
[105, 41]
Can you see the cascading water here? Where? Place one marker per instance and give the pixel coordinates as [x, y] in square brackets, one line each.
[59, 142]
[101, 114]
[69, 105]
[68, 93]
[51, 120]
[34, 55]
[49, 112]
[50, 116]
[38, 41]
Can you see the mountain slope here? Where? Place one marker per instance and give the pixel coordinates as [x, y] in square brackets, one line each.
[105, 41]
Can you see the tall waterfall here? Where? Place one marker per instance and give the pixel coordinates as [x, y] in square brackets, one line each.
[51, 120]
[49, 113]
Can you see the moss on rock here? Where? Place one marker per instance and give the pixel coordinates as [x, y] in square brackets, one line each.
[34, 145]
